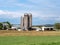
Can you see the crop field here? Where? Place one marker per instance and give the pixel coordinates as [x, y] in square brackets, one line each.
[12, 37]
[28, 33]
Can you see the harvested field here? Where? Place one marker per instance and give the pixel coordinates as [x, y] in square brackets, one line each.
[28, 33]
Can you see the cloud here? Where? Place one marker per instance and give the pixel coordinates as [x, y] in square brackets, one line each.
[37, 14]
[10, 14]
[15, 14]
[14, 3]
[2, 12]
[46, 3]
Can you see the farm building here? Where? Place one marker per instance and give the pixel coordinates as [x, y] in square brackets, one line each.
[5, 26]
[47, 27]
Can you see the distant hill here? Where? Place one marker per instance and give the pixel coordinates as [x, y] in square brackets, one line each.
[47, 25]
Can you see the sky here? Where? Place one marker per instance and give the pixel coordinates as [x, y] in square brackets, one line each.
[43, 11]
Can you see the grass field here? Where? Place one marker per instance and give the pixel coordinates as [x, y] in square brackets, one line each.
[29, 38]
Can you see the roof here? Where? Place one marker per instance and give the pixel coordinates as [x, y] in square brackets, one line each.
[48, 25]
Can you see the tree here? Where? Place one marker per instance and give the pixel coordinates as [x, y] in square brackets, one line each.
[57, 26]
[9, 25]
[1, 25]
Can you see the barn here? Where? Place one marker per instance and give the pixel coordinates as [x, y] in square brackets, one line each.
[47, 27]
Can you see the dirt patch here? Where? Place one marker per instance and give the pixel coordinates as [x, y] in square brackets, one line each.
[28, 33]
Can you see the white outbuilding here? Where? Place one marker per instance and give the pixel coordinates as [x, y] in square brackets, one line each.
[36, 28]
[47, 28]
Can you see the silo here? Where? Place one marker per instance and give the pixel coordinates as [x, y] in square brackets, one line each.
[30, 20]
[22, 23]
[26, 21]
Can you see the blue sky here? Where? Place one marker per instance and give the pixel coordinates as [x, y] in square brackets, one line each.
[43, 11]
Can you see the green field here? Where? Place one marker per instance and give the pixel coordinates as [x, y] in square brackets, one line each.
[29, 40]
